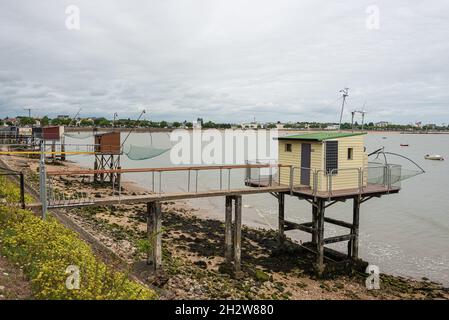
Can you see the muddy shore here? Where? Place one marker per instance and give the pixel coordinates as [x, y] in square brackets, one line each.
[193, 248]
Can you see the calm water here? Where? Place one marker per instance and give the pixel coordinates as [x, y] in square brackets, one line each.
[405, 234]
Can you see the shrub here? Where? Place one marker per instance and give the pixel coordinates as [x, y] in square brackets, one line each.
[46, 248]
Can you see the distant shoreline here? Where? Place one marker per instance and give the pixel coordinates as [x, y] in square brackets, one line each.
[121, 129]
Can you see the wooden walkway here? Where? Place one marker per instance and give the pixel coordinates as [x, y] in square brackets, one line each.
[156, 197]
[319, 200]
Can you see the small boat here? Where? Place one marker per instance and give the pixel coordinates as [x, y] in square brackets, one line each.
[433, 157]
[384, 137]
[404, 144]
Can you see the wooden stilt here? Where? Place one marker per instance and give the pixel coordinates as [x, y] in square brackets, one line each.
[228, 229]
[63, 158]
[96, 168]
[314, 223]
[281, 206]
[355, 228]
[320, 237]
[155, 235]
[238, 236]
[149, 233]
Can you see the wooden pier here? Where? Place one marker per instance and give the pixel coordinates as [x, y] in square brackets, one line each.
[319, 200]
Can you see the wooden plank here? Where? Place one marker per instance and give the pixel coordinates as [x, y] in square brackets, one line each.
[338, 222]
[345, 237]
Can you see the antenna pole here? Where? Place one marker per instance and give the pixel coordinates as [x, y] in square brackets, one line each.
[113, 121]
[345, 94]
[352, 120]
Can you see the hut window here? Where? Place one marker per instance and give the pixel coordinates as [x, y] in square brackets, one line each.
[350, 153]
[331, 157]
[288, 147]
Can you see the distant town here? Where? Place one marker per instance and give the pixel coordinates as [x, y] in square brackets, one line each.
[102, 122]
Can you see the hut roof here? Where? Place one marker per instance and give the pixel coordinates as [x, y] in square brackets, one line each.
[321, 136]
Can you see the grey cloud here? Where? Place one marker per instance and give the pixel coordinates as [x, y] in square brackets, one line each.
[226, 60]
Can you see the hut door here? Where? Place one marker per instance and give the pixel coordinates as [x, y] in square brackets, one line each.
[305, 163]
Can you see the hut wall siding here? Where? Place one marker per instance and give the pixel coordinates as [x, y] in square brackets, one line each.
[344, 179]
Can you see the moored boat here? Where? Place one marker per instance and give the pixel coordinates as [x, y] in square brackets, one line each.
[433, 157]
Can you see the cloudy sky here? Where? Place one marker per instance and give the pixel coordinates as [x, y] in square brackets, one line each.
[226, 60]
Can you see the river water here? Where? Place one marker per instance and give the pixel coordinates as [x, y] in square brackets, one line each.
[404, 234]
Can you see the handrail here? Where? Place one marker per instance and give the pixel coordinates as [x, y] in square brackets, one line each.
[184, 168]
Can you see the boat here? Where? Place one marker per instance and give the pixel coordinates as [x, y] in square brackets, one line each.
[404, 144]
[433, 157]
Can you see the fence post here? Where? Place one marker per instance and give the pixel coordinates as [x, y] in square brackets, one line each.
[42, 181]
[22, 190]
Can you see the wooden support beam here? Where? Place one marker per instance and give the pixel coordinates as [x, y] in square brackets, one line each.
[314, 223]
[281, 209]
[306, 227]
[238, 236]
[345, 237]
[334, 202]
[355, 228]
[320, 237]
[338, 222]
[228, 229]
[150, 232]
[155, 235]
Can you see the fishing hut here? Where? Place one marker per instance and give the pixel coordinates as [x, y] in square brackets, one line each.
[52, 135]
[325, 168]
[107, 156]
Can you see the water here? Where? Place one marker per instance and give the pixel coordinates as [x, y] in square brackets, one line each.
[405, 234]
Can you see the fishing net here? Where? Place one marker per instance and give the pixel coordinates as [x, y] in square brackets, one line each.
[143, 152]
[79, 135]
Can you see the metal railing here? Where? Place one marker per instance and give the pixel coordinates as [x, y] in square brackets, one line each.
[328, 182]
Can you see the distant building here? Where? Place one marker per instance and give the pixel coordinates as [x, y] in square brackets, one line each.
[332, 127]
[279, 125]
[14, 121]
[198, 124]
[251, 125]
[63, 116]
[382, 124]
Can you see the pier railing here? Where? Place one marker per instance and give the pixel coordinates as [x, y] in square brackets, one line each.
[259, 174]
[387, 176]
[157, 176]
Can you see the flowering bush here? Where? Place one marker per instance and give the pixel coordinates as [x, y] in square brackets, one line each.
[46, 249]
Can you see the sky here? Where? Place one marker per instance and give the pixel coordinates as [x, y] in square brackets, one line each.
[226, 60]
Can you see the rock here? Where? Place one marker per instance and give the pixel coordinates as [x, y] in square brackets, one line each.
[2, 288]
[261, 276]
[201, 263]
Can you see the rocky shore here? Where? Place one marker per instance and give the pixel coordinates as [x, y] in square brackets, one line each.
[193, 253]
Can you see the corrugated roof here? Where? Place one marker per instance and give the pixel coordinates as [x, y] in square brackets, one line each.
[321, 136]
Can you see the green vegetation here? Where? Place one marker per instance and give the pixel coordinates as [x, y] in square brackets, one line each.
[46, 249]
